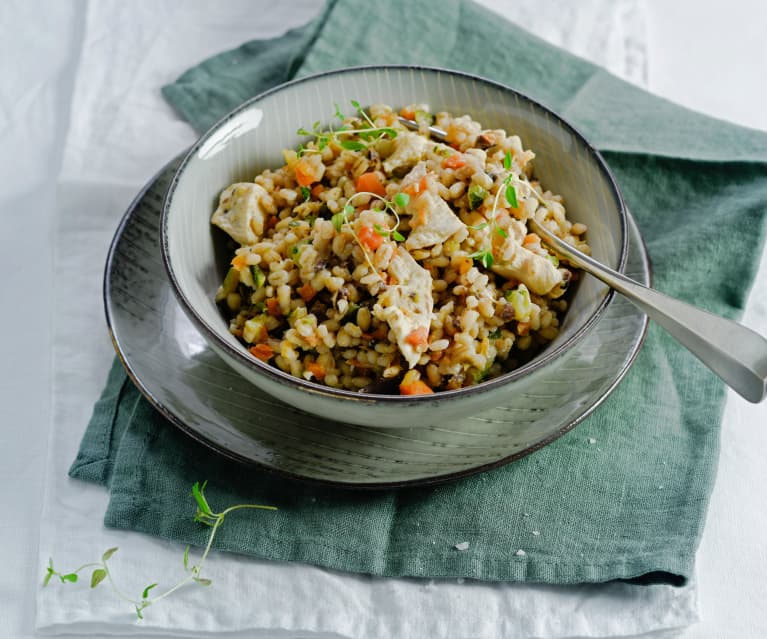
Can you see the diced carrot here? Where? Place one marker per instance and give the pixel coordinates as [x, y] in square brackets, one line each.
[316, 190]
[239, 262]
[531, 238]
[415, 388]
[304, 179]
[273, 307]
[388, 118]
[307, 292]
[264, 352]
[407, 113]
[523, 328]
[414, 189]
[271, 222]
[306, 173]
[316, 369]
[370, 183]
[369, 237]
[454, 161]
[418, 337]
[421, 213]
[464, 265]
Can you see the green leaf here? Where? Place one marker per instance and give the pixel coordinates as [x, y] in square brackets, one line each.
[401, 200]
[392, 133]
[338, 113]
[378, 229]
[348, 209]
[511, 196]
[507, 160]
[553, 259]
[71, 577]
[108, 553]
[323, 142]
[501, 232]
[356, 104]
[494, 334]
[353, 145]
[316, 125]
[203, 581]
[398, 236]
[302, 131]
[483, 257]
[186, 558]
[138, 612]
[199, 497]
[98, 576]
[145, 594]
[306, 192]
[49, 572]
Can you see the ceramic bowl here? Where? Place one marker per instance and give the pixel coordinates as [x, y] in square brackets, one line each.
[251, 138]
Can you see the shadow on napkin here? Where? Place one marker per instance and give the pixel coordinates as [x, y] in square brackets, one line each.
[630, 507]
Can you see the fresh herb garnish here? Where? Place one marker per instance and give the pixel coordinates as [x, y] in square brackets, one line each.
[101, 572]
[477, 195]
[306, 192]
[368, 133]
[484, 257]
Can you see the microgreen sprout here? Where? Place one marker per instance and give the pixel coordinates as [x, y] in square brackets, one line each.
[485, 255]
[344, 218]
[367, 133]
[101, 570]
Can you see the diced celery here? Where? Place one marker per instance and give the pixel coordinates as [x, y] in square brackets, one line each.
[477, 195]
[254, 329]
[259, 278]
[229, 285]
[519, 298]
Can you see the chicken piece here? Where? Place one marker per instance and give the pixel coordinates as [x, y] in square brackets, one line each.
[536, 272]
[239, 212]
[432, 221]
[407, 304]
[409, 149]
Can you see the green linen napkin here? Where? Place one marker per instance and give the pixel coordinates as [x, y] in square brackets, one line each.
[631, 506]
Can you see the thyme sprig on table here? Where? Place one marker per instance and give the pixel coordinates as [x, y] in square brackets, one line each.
[101, 570]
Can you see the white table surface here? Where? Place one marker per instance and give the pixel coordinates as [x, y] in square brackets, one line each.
[707, 56]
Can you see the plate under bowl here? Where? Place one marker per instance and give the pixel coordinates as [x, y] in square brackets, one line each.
[188, 383]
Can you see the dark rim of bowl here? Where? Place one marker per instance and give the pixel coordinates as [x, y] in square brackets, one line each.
[315, 389]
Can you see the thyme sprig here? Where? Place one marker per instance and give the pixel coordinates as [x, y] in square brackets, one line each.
[367, 134]
[343, 218]
[485, 255]
[102, 573]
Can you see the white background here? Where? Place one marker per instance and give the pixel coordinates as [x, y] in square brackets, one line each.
[708, 56]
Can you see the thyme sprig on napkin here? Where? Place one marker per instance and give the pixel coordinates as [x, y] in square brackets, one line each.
[101, 572]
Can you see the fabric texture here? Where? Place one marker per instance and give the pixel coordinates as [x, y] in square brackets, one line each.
[630, 506]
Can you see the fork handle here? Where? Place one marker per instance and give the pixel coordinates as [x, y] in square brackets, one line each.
[735, 353]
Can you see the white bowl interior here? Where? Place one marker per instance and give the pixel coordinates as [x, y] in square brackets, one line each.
[252, 138]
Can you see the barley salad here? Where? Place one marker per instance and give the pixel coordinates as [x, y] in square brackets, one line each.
[377, 253]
